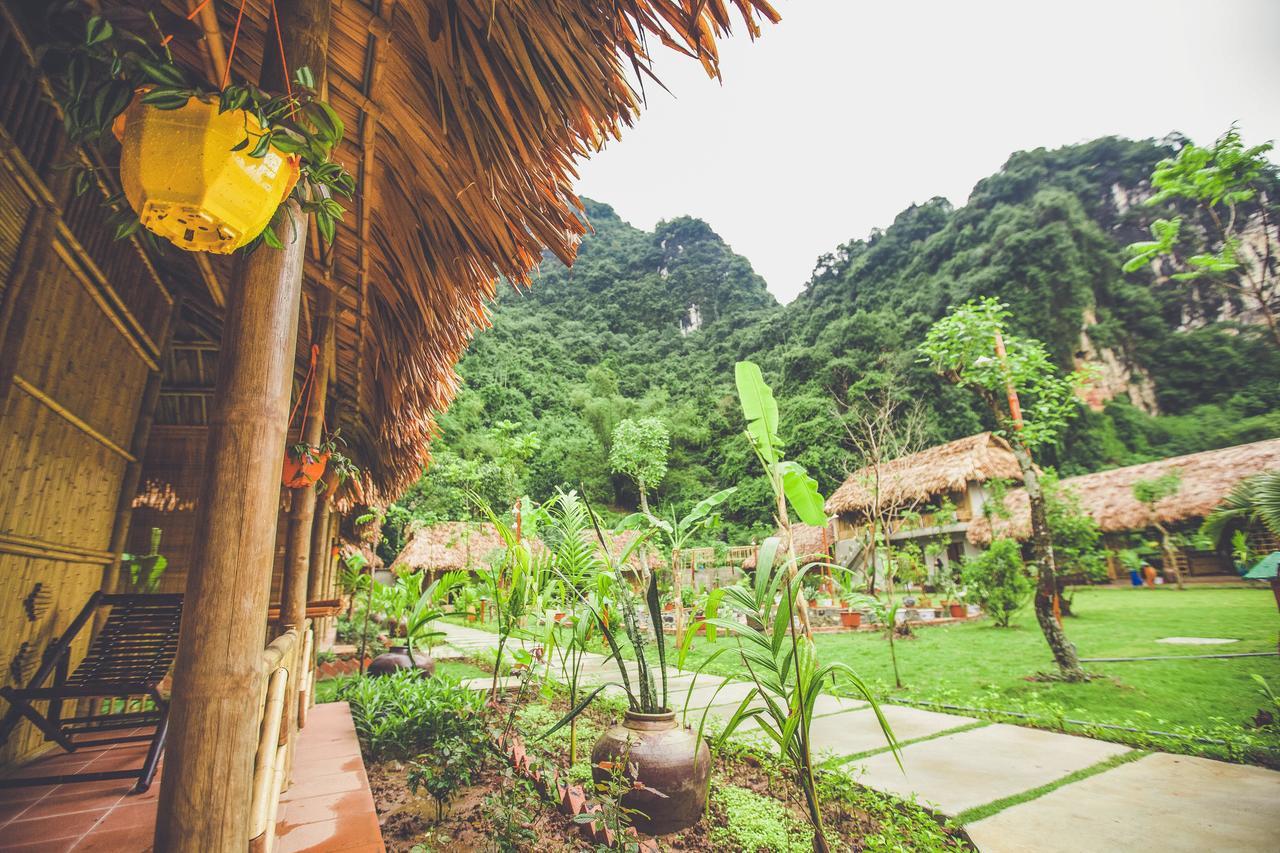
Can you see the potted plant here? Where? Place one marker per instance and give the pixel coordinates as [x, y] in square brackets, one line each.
[206, 167]
[309, 465]
[669, 765]
[413, 609]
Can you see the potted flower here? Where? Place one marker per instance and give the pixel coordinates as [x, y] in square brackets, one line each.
[951, 592]
[671, 761]
[206, 167]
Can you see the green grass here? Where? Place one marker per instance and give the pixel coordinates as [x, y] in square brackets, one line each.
[327, 690]
[977, 813]
[980, 665]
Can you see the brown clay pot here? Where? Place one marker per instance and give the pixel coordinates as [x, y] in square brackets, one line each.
[850, 619]
[957, 611]
[398, 658]
[668, 758]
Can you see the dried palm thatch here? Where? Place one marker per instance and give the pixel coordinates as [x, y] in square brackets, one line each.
[464, 545]
[1108, 495]
[936, 471]
[811, 544]
[464, 120]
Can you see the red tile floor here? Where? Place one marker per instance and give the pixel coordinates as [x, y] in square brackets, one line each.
[329, 807]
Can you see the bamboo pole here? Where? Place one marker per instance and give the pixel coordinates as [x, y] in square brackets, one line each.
[205, 790]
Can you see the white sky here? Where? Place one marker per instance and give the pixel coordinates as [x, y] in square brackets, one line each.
[850, 110]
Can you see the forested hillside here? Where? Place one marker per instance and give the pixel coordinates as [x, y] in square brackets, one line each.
[651, 324]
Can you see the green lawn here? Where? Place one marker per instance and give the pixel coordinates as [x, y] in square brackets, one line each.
[977, 664]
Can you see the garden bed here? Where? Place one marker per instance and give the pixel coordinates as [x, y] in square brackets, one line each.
[754, 804]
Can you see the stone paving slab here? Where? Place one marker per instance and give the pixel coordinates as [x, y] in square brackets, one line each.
[1162, 802]
[973, 768]
[854, 732]
[706, 693]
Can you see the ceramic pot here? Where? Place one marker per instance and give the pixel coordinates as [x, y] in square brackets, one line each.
[668, 758]
[957, 611]
[398, 658]
[851, 619]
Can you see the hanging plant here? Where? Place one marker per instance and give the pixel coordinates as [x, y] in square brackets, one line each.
[206, 168]
[307, 464]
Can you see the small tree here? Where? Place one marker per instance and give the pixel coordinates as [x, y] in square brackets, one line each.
[971, 348]
[1219, 181]
[639, 450]
[997, 580]
[1149, 493]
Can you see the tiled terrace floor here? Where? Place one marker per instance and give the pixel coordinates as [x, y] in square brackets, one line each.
[328, 808]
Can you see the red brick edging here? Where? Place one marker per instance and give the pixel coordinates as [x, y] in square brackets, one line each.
[570, 799]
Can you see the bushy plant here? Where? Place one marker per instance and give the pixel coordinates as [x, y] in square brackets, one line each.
[403, 715]
[450, 765]
[997, 579]
[755, 822]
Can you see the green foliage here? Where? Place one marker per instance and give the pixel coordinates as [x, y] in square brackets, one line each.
[1257, 498]
[1077, 538]
[509, 811]
[998, 581]
[1151, 491]
[639, 451]
[451, 765]
[146, 570]
[962, 348]
[756, 823]
[403, 715]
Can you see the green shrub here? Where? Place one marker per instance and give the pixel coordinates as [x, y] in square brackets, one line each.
[998, 580]
[404, 715]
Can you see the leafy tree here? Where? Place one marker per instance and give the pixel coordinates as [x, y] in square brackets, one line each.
[639, 450]
[972, 349]
[1221, 182]
[1150, 492]
[997, 579]
[1077, 548]
[1257, 498]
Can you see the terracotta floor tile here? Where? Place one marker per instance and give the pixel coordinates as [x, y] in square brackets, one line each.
[58, 846]
[64, 826]
[67, 800]
[129, 816]
[329, 783]
[302, 770]
[131, 840]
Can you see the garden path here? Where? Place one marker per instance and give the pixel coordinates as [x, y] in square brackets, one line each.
[1017, 789]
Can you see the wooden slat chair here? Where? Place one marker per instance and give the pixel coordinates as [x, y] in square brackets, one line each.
[121, 673]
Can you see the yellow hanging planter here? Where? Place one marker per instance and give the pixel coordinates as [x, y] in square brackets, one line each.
[185, 182]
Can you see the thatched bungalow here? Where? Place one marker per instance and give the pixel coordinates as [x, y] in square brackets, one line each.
[1206, 478]
[467, 545]
[954, 474]
[146, 388]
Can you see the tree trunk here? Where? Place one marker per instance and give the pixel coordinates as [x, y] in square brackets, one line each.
[213, 734]
[1064, 653]
[1170, 554]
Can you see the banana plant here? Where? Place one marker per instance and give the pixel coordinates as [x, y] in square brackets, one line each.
[786, 675]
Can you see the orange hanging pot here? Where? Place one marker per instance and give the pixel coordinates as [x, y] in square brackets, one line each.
[303, 470]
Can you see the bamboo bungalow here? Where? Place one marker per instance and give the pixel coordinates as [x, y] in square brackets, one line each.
[145, 389]
[951, 477]
[1205, 479]
[466, 545]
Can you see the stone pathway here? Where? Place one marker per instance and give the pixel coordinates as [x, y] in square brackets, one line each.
[955, 764]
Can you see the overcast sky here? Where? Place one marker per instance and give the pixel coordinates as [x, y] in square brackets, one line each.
[850, 110]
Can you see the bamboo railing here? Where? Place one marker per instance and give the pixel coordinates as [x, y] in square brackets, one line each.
[290, 652]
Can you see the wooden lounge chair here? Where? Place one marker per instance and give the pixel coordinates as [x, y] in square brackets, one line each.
[120, 673]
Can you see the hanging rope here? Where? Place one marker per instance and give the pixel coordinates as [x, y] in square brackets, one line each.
[308, 386]
[235, 36]
[284, 65]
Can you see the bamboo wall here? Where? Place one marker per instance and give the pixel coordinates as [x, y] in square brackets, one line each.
[172, 472]
[83, 318]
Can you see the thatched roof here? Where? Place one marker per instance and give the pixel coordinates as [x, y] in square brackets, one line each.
[811, 543]
[917, 478]
[1108, 495]
[464, 120]
[452, 545]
